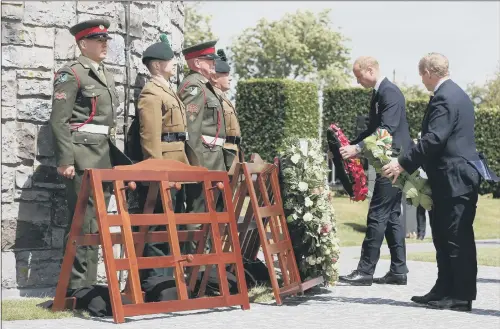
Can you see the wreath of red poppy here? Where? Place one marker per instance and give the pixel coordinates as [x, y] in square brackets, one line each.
[352, 176]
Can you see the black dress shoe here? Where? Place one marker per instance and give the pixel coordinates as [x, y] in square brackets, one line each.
[453, 304]
[392, 278]
[357, 278]
[429, 297]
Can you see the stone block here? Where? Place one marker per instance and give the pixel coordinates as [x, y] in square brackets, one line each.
[24, 176]
[38, 268]
[60, 63]
[26, 134]
[34, 109]
[64, 46]
[34, 87]
[177, 40]
[13, 12]
[44, 161]
[58, 237]
[137, 47]
[118, 73]
[44, 141]
[18, 34]
[47, 177]
[9, 88]
[23, 57]
[116, 50]
[32, 234]
[136, 20]
[44, 37]
[8, 113]
[9, 280]
[32, 74]
[8, 179]
[49, 13]
[177, 19]
[9, 142]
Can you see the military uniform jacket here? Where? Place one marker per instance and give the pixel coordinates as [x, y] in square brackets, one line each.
[230, 118]
[205, 121]
[161, 111]
[78, 92]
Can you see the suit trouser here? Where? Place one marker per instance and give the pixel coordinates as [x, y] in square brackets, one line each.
[453, 237]
[384, 219]
[84, 271]
[421, 220]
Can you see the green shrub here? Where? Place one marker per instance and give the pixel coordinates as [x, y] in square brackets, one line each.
[271, 110]
[488, 141]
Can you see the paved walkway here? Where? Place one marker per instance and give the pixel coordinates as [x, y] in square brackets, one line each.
[341, 307]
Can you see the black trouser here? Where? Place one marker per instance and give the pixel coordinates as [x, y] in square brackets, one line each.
[384, 219]
[84, 271]
[421, 221]
[453, 237]
[154, 249]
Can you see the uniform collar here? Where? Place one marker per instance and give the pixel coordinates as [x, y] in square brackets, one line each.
[199, 76]
[87, 62]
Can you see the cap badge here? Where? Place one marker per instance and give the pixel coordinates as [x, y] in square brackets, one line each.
[101, 27]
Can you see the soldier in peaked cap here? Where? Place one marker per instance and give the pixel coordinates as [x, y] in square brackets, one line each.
[221, 80]
[83, 121]
[207, 132]
[163, 134]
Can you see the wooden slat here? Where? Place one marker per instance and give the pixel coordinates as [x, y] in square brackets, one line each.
[269, 211]
[171, 261]
[279, 247]
[159, 219]
[157, 236]
[184, 305]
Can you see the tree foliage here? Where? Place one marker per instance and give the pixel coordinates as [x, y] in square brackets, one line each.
[413, 91]
[488, 94]
[302, 46]
[197, 26]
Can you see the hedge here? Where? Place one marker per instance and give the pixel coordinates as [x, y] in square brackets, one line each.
[343, 106]
[488, 141]
[271, 110]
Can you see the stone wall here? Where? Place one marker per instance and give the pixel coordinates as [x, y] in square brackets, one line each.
[35, 43]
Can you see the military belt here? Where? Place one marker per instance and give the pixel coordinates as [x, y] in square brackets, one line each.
[174, 137]
[212, 140]
[96, 129]
[233, 139]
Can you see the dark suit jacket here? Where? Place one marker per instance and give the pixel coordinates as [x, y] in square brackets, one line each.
[447, 144]
[388, 111]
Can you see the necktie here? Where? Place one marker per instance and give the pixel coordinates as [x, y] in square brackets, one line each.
[100, 70]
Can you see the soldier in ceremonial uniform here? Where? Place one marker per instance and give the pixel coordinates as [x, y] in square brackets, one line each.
[221, 80]
[205, 119]
[163, 134]
[83, 121]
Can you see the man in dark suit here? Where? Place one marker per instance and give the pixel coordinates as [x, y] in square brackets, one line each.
[387, 111]
[447, 151]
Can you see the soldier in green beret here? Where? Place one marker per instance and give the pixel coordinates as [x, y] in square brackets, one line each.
[207, 131]
[83, 121]
[221, 81]
[163, 134]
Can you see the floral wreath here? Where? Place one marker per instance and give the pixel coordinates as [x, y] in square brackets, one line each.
[354, 180]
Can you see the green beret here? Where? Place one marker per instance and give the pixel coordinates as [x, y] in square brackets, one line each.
[161, 51]
[221, 65]
[201, 50]
[91, 29]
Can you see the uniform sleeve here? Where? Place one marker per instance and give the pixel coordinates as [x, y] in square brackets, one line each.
[150, 118]
[193, 96]
[63, 101]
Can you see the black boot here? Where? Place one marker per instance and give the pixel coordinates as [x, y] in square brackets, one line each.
[453, 304]
[357, 278]
[392, 278]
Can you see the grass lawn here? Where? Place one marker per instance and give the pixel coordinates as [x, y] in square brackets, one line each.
[26, 309]
[486, 256]
[351, 220]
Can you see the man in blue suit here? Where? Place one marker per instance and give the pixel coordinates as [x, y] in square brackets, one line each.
[387, 111]
[447, 153]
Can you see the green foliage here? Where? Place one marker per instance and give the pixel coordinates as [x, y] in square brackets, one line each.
[197, 26]
[488, 141]
[343, 106]
[271, 110]
[413, 91]
[489, 94]
[302, 45]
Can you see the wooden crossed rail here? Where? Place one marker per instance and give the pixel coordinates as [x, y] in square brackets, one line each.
[164, 175]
